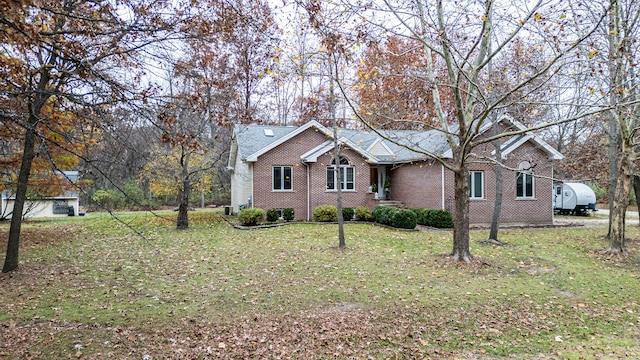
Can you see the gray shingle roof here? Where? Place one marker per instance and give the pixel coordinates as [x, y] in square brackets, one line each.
[252, 137]
[405, 145]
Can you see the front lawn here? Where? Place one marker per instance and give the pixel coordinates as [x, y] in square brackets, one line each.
[91, 288]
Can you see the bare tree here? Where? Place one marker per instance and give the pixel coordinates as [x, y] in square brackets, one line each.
[457, 38]
[67, 55]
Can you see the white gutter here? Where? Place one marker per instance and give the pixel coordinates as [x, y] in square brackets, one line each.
[308, 189]
[253, 199]
[442, 184]
[553, 193]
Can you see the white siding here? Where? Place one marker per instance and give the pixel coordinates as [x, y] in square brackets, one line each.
[39, 209]
[241, 180]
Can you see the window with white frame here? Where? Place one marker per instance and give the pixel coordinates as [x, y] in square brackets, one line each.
[346, 174]
[525, 181]
[282, 178]
[476, 184]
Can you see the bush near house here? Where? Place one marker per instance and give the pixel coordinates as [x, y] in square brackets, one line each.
[325, 213]
[288, 214]
[363, 213]
[404, 219]
[251, 216]
[272, 215]
[347, 214]
[433, 218]
[384, 214]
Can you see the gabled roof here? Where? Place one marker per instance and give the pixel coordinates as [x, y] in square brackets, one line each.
[512, 144]
[252, 141]
[260, 144]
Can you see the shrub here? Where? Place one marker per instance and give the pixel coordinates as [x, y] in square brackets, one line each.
[384, 214]
[347, 213]
[288, 214]
[377, 213]
[404, 219]
[421, 216]
[439, 219]
[363, 213]
[251, 216]
[325, 213]
[272, 215]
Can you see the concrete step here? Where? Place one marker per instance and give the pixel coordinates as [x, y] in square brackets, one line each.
[394, 203]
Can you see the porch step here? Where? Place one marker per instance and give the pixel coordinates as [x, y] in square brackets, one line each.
[393, 203]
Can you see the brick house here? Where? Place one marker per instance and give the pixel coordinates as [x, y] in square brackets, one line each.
[276, 167]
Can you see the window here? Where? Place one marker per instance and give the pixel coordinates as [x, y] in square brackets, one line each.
[346, 175]
[476, 184]
[524, 185]
[524, 181]
[282, 178]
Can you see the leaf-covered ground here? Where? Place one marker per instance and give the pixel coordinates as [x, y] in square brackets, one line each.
[90, 288]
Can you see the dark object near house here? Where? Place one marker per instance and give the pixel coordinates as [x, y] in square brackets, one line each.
[573, 198]
[71, 211]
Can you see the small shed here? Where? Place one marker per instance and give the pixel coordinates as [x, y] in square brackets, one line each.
[64, 205]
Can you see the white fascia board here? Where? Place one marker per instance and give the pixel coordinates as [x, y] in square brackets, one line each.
[553, 153]
[312, 155]
[254, 157]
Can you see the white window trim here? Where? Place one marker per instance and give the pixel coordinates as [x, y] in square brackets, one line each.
[472, 189]
[281, 167]
[533, 186]
[336, 173]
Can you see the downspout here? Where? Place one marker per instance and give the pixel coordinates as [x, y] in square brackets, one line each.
[553, 193]
[253, 199]
[442, 185]
[308, 166]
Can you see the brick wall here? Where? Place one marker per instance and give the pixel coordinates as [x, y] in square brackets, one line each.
[350, 198]
[288, 154]
[418, 185]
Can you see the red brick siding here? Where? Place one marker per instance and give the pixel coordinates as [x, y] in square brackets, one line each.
[418, 185]
[288, 154]
[319, 193]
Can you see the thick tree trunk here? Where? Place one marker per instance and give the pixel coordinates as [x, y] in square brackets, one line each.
[13, 245]
[619, 210]
[461, 216]
[183, 209]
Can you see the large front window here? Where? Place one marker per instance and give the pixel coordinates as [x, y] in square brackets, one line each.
[344, 176]
[282, 178]
[476, 184]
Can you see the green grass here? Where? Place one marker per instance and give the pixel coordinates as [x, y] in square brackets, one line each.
[90, 287]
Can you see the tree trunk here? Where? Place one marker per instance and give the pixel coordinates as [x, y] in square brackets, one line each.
[13, 244]
[636, 190]
[183, 209]
[337, 149]
[461, 216]
[620, 203]
[497, 206]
